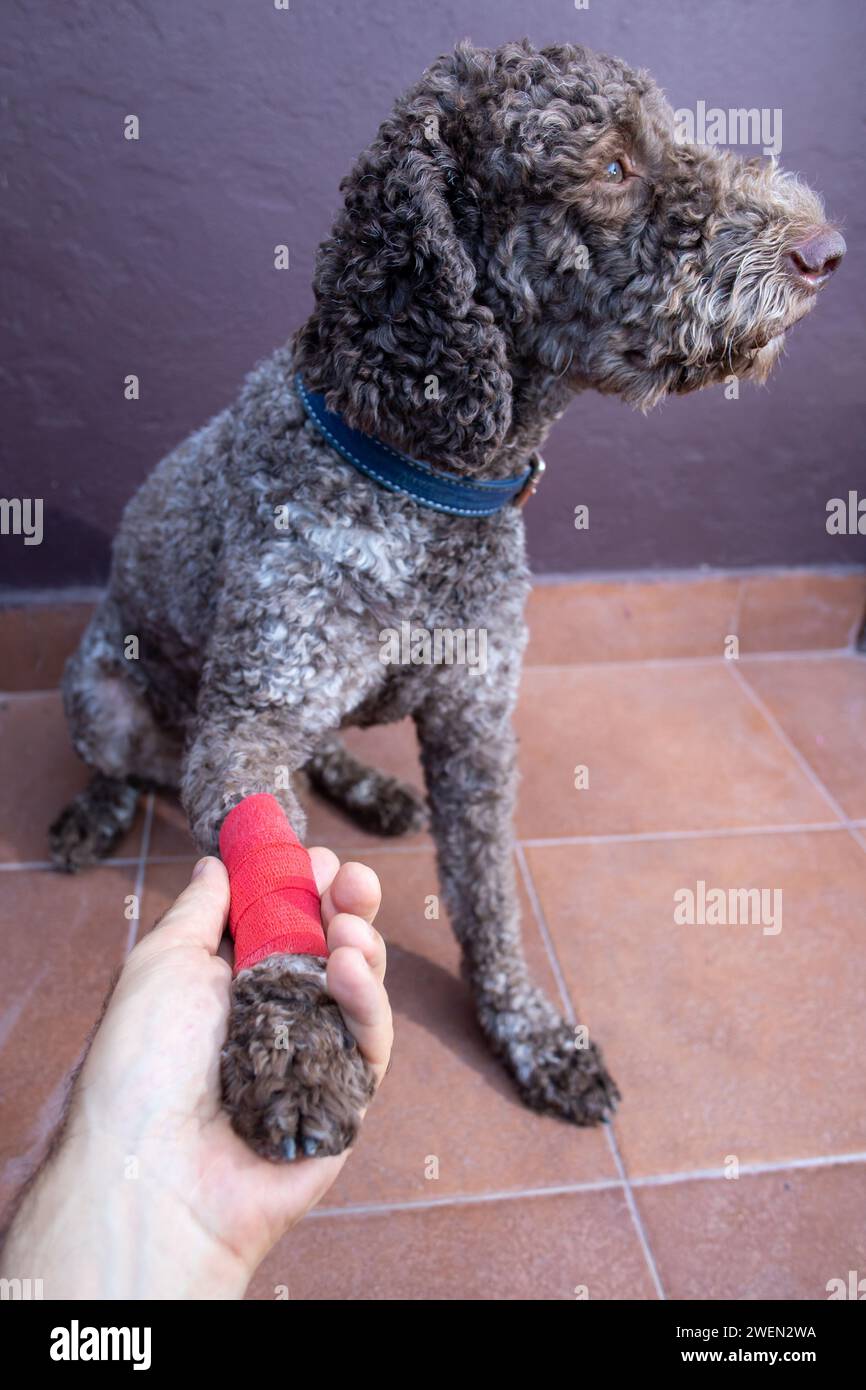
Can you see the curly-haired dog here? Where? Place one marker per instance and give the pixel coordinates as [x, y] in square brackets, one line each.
[523, 226]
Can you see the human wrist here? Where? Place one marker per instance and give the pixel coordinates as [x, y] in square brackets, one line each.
[92, 1227]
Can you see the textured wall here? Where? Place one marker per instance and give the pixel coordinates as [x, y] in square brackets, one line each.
[156, 257]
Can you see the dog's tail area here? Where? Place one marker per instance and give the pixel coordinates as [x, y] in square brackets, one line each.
[377, 803]
[91, 825]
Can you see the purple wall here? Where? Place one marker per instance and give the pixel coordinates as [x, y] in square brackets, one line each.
[156, 257]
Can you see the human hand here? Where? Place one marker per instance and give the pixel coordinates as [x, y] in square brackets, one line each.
[152, 1194]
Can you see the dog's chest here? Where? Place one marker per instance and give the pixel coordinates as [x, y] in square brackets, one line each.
[411, 564]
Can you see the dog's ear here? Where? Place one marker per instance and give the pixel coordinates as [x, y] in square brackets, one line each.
[398, 342]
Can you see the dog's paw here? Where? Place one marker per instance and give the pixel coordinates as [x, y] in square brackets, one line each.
[294, 1081]
[558, 1076]
[375, 801]
[398, 810]
[91, 825]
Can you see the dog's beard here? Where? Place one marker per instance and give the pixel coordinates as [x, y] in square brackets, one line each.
[744, 301]
[731, 328]
[746, 325]
[731, 322]
[761, 362]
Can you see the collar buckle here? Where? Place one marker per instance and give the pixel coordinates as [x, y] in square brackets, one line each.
[537, 468]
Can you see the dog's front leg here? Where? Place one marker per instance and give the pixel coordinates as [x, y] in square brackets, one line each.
[468, 751]
[234, 756]
[294, 1082]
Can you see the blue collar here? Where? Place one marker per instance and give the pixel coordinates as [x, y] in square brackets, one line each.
[444, 492]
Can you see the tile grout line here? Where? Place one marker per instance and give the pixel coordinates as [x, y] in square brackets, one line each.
[847, 823]
[138, 890]
[800, 758]
[664, 662]
[644, 836]
[550, 842]
[782, 1165]
[461, 1199]
[544, 932]
[466, 1199]
[788, 654]
[637, 1222]
[857, 835]
[568, 1007]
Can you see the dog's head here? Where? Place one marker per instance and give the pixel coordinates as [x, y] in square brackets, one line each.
[526, 223]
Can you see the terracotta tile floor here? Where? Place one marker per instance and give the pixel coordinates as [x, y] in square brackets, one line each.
[736, 1166]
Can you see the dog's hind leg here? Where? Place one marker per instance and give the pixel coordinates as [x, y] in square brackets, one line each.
[468, 752]
[115, 733]
[376, 802]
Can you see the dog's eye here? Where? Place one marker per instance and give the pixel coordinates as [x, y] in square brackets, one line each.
[614, 173]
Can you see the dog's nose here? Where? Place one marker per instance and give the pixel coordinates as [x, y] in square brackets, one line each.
[813, 261]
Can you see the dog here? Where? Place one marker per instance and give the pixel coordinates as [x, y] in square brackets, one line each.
[524, 226]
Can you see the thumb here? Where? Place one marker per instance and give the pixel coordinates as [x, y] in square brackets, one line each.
[198, 917]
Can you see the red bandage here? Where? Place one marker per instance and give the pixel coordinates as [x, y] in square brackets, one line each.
[274, 900]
